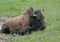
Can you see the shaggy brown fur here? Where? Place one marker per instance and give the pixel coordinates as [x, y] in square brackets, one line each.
[19, 24]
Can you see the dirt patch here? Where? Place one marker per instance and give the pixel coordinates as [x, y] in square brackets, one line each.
[3, 37]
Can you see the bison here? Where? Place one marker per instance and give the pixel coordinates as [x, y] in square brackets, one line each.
[27, 22]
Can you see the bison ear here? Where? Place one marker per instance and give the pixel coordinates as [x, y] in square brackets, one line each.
[31, 11]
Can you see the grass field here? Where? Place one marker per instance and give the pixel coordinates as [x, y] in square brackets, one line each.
[51, 13]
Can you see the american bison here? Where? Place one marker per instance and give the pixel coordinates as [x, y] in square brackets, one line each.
[29, 21]
[19, 24]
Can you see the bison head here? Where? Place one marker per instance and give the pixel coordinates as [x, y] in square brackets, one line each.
[37, 20]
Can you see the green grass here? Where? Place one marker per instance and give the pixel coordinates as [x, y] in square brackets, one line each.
[51, 13]
[16, 7]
